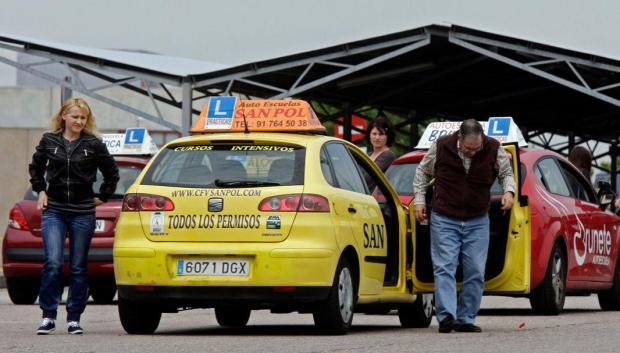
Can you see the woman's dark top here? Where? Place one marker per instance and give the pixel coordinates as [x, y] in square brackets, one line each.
[385, 159]
[67, 171]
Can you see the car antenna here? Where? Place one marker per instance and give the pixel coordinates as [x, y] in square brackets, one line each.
[245, 124]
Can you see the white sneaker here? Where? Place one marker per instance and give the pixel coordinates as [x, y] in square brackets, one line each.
[47, 325]
[73, 327]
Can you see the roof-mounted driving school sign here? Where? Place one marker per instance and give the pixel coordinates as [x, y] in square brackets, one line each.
[135, 141]
[502, 129]
[230, 114]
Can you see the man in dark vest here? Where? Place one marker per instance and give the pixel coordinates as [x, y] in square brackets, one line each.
[464, 165]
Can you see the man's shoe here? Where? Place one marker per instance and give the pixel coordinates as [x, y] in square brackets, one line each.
[47, 325]
[446, 325]
[73, 327]
[467, 328]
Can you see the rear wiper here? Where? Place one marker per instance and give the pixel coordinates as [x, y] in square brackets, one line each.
[242, 183]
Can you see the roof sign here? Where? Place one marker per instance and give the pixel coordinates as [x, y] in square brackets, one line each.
[230, 114]
[135, 141]
[502, 129]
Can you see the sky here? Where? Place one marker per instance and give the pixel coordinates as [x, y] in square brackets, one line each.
[240, 31]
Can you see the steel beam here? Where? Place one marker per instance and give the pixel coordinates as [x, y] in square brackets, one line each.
[533, 70]
[89, 93]
[350, 70]
[344, 52]
[186, 114]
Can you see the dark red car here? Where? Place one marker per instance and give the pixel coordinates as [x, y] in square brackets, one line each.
[22, 251]
[571, 240]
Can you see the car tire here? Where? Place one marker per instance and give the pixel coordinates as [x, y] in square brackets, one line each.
[24, 290]
[232, 316]
[138, 318]
[334, 315]
[609, 300]
[418, 314]
[102, 290]
[548, 298]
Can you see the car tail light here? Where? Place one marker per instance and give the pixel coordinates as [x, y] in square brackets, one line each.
[295, 203]
[17, 220]
[146, 202]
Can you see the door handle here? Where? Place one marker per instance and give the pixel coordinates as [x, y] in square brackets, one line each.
[352, 209]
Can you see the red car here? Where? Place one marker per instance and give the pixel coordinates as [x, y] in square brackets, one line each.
[573, 240]
[22, 251]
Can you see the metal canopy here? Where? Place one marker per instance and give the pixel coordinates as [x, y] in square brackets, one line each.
[446, 72]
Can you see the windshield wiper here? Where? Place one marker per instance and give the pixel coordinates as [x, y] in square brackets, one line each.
[242, 183]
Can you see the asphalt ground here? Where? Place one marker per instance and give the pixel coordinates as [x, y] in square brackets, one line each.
[508, 326]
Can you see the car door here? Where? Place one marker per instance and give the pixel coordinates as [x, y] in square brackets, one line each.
[575, 219]
[592, 247]
[513, 273]
[354, 203]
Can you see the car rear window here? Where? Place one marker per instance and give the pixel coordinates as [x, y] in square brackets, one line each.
[227, 165]
[127, 174]
[401, 177]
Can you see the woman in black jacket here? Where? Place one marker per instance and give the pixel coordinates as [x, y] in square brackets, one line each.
[63, 170]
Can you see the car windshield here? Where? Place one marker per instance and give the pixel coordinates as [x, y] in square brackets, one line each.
[227, 166]
[127, 174]
[401, 177]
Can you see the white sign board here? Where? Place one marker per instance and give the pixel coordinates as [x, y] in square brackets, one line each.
[502, 129]
[135, 141]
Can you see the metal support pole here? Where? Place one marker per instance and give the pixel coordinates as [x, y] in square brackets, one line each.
[571, 142]
[347, 122]
[413, 129]
[65, 92]
[186, 110]
[613, 153]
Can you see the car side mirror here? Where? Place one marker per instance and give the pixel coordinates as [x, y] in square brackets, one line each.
[605, 195]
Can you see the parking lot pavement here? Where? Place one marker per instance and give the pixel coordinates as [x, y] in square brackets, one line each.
[507, 323]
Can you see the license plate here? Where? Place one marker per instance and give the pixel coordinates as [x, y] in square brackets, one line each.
[99, 225]
[213, 267]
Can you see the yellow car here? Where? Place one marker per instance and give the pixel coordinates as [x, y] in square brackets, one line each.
[239, 218]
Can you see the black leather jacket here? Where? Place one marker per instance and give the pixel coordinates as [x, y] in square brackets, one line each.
[70, 175]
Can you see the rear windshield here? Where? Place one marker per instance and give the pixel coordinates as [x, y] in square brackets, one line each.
[227, 165]
[127, 174]
[401, 177]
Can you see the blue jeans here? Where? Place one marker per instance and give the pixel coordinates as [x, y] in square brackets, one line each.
[454, 240]
[54, 227]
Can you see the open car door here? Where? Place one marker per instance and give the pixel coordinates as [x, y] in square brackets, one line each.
[508, 262]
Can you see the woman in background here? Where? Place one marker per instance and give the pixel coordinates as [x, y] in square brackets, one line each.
[581, 158]
[380, 134]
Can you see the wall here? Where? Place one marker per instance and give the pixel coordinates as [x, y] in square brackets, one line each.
[24, 116]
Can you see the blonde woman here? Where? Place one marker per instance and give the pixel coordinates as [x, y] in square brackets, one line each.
[63, 170]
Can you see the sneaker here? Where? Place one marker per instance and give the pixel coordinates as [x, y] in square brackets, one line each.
[47, 325]
[73, 327]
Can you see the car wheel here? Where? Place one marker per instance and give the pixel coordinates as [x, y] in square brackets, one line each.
[138, 318]
[417, 314]
[610, 299]
[23, 291]
[102, 290]
[231, 316]
[548, 298]
[334, 315]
